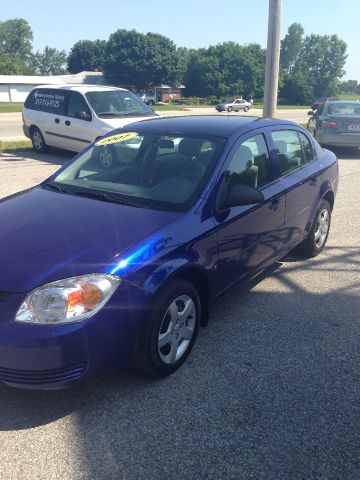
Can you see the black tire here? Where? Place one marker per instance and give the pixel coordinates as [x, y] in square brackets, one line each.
[312, 246]
[38, 141]
[229, 109]
[151, 102]
[246, 109]
[154, 359]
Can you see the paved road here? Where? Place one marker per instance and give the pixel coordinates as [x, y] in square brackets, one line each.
[271, 391]
[11, 123]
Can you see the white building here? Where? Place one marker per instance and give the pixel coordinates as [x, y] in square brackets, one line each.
[15, 88]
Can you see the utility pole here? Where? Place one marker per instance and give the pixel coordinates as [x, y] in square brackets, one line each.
[272, 59]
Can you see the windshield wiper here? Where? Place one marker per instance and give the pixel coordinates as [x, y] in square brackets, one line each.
[104, 197]
[55, 188]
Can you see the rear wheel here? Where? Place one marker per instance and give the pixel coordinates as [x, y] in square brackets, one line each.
[171, 329]
[316, 240]
[246, 109]
[38, 141]
[229, 109]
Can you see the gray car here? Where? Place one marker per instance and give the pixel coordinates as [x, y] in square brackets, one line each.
[233, 105]
[336, 123]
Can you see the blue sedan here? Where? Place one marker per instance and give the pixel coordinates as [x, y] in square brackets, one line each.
[116, 258]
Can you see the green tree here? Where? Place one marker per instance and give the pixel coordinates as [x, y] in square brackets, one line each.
[226, 69]
[132, 58]
[311, 66]
[87, 55]
[16, 38]
[50, 62]
[13, 65]
[291, 47]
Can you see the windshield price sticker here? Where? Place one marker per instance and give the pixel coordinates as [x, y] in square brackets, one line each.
[119, 138]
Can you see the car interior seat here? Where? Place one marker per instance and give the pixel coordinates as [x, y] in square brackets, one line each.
[248, 171]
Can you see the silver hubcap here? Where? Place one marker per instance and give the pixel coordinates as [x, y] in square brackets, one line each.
[322, 227]
[106, 158]
[37, 140]
[177, 329]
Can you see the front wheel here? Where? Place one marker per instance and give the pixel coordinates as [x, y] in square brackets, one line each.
[38, 141]
[315, 242]
[171, 329]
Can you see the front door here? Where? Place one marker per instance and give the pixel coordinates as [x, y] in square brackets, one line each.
[250, 237]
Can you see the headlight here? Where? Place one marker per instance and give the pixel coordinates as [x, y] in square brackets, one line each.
[67, 301]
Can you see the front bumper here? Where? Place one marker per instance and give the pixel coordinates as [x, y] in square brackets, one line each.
[26, 131]
[49, 357]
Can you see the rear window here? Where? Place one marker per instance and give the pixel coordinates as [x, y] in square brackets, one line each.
[344, 108]
[47, 100]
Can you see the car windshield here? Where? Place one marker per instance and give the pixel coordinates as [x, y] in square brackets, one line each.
[344, 108]
[152, 170]
[117, 103]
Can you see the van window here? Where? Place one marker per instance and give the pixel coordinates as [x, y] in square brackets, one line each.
[117, 103]
[77, 104]
[49, 100]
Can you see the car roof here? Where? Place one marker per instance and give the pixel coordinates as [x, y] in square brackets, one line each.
[214, 125]
[83, 88]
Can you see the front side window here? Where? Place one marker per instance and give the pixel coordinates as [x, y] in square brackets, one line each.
[117, 103]
[77, 106]
[288, 150]
[251, 162]
[153, 170]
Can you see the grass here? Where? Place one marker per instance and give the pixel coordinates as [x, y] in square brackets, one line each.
[349, 96]
[167, 107]
[10, 107]
[15, 146]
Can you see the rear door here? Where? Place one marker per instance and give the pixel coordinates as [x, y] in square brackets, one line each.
[250, 236]
[298, 170]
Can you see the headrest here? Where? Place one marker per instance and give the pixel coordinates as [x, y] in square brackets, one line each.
[190, 147]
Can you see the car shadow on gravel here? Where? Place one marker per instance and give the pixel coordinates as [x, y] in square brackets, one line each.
[53, 157]
[343, 153]
[269, 391]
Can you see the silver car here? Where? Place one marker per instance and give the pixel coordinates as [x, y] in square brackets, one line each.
[233, 105]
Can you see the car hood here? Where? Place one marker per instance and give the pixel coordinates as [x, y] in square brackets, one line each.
[46, 236]
[114, 123]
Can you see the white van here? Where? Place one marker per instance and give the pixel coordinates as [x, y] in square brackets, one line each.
[73, 116]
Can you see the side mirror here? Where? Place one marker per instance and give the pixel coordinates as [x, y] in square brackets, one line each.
[237, 195]
[311, 113]
[83, 116]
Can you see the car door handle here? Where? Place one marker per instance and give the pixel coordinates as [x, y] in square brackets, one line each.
[57, 120]
[67, 122]
[274, 205]
[313, 181]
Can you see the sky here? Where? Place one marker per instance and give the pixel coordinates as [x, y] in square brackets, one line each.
[189, 23]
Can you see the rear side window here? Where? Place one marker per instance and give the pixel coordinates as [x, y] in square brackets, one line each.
[307, 148]
[288, 150]
[251, 162]
[47, 100]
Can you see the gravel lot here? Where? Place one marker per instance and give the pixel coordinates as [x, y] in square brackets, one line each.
[271, 390]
